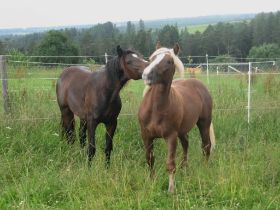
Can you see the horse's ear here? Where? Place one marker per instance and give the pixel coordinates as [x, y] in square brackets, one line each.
[176, 49]
[158, 45]
[119, 51]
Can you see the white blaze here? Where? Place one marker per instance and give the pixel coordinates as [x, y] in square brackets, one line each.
[134, 55]
[149, 68]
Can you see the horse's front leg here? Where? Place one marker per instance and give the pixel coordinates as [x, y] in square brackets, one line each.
[171, 141]
[91, 127]
[149, 147]
[110, 131]
[68, 124]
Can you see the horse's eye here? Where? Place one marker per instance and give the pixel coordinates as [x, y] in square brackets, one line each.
[170, 61]
[129, 62]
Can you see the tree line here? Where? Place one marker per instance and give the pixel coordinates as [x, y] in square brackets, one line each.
[259, 37]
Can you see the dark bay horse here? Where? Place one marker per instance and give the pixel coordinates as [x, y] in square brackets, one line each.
[170, 109]
[94, 97]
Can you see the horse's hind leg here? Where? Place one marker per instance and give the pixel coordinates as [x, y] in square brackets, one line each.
[83, 134]
[204, 128]
[185, 144]
[110, 131]
[68, 124]
[91, 127]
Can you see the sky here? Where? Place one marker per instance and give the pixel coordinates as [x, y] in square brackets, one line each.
[44, 13]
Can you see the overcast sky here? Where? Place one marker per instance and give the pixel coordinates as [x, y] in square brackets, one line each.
[41, 13]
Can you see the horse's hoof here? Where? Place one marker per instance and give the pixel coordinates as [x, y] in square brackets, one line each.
[152, 174]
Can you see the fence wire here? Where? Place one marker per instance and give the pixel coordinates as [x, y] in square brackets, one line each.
[22, 75]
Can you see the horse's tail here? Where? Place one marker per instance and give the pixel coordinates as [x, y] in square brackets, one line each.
[212, 136]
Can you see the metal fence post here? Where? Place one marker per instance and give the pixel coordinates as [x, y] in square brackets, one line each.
[249, 91]
[106, 58]
[207, 68]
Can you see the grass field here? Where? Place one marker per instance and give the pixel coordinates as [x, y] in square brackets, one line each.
[197, 28]
[38, 170]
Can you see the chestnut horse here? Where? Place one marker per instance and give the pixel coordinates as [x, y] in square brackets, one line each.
[94, 97]
[170, 109]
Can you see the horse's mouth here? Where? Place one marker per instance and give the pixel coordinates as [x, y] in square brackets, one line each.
[147, 82]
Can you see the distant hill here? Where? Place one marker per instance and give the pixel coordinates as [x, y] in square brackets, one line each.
[190, 21]
[180, 22]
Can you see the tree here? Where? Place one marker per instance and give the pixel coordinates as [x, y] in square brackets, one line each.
[276, 29]
[2, 48]
[210, 39]
[143, 42]
[168, 35]
[130, 34]
[16, 55]
[242, 39]
[104, 40]
[185, 44]
[86, 43]
[258, 25]
[55, 43]
[141, 25]
[223, 59]
[265, 51]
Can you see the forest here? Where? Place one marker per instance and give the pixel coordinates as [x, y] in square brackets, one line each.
[239, 40]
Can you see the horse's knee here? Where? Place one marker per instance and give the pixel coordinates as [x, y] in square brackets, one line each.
[170, 166]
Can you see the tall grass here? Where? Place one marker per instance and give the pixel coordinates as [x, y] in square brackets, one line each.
[38, 170]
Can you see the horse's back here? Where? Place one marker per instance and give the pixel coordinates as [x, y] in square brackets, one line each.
[195, 96]
[71, 87]
[192, 86]
[73, 73]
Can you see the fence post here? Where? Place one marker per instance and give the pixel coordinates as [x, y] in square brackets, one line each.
[207, 68]
[4, 78]
[249, 91]
[106, 58]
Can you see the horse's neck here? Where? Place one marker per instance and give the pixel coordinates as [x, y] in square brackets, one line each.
[115, 85]
[160, 96]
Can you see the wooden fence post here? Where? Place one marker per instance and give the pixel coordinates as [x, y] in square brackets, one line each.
[4, 78]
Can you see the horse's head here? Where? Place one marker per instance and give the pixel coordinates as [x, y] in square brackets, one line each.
[163, 63]
[132, 63]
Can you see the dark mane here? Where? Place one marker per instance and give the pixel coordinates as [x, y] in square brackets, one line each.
[114, 70]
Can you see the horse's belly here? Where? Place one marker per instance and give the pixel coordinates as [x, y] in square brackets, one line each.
[161, 128]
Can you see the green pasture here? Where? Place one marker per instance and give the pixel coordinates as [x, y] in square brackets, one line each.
[38, 170]
[197, 28]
